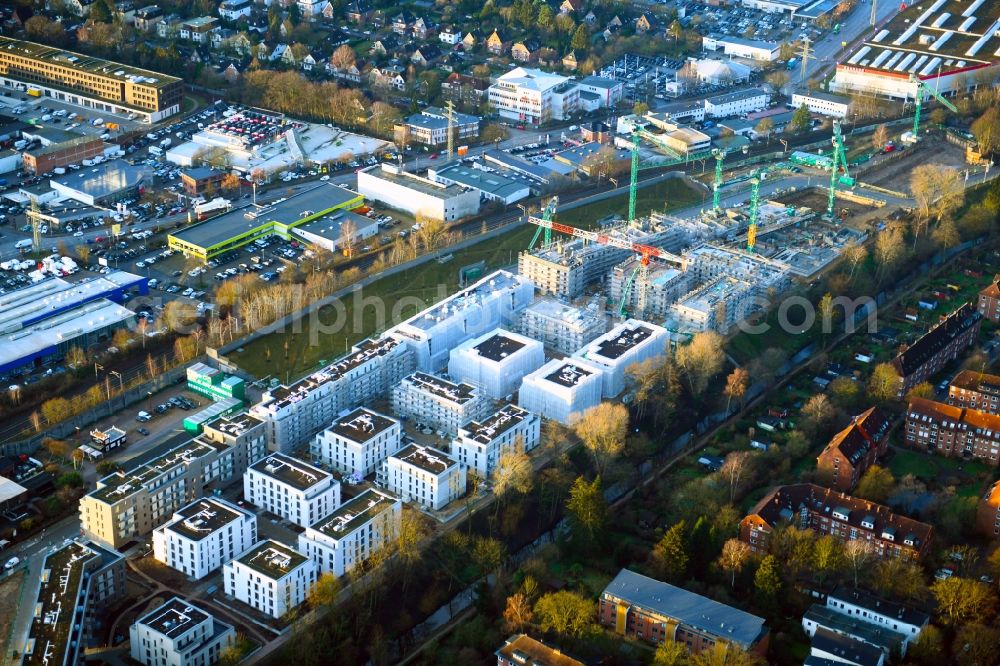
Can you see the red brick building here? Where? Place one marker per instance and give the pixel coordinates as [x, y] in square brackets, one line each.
[808, 506]
[854, 449]
[953, 431]
[988, 512]
[951, 336]
[989, 300]
[642, 607]
[975, 390]
[199, 180]
[74, 151]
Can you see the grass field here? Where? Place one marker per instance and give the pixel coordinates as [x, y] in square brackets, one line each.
[933, 467]
[320, 338]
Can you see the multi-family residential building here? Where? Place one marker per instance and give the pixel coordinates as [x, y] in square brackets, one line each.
[233, 10]
[199, 30]
[975, 390]
[291, 489]
[849, 453]
[533, 96]
[736, 103]
[521, 650]
[270, 577]
[718, 305]
[822, 618]
[481, 443]
[430, 126]
[864, 609]
[560, 327]
[950, 337]
[648, 293]
[988, 512]
[935, 427]
[295, 413]
[354, 532]
[630, 342]
[562, 390]
[437, 402]
[128, 505]
[828, 647]
[178, 633]
[146, 18]
[989, 300]
[357, 442]
[203, 536]
[808, 506]
[424, 475]
[496, 361]
[642, 607]
[79, 581]
[97, 84]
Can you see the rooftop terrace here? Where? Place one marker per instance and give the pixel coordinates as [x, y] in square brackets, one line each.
[569, 374]
[424, 457]
[120, 485]
[442, 388]
[503, 420]
[362, 425]
[272, 559]
[204, 517]
[174, 618]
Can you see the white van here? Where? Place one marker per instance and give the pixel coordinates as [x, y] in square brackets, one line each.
[153, 150]
[23, 243]
[142, 417]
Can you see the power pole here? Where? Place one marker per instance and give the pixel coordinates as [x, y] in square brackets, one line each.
[450, 113]
[804, 52]
[874, 16]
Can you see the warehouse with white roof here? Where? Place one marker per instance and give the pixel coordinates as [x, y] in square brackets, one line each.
[496, 361]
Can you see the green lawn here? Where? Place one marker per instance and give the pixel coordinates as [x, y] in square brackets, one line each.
[929, 467]
[747, 346]
[320, 338]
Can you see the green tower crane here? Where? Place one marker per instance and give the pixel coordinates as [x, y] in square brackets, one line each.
[919, 102]
[634, 179]
[838, 162]
[754, 208]
[548, 214]
[719, 154]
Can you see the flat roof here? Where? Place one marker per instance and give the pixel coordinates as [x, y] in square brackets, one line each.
[568, 374]
[728, 98]
[204, 517]
[362, 425]
[63, 145]
[218, 230]
[513, 163]
[498, 346]
[102, 180]
[329, 225]
[458, 393]
[290, 471]
[425, 458]
[601, 82]
[434, 118]
[272, 559]
[174, 618]
[532, 79]
[354, 513]
[578, 155]
[825, 96]
[10, 490]
[234, 424]
[476, 295]
[500, 422]
[406, 179]
[484, 181]
[621, 339]
[38, 301]
[122, 484]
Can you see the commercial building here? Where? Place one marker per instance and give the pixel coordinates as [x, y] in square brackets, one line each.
[630, 342]
[357, 442]
[213, 383]
[533, 96]
[951, 431]
[608, 91]
[103, 442]
[949, 45]
[736, 103]
[560, 327]
[988, 512]
[975, 390]
[989, 300]
[270, 577]
[481, 443]
[496, 362]
[521, 649]
[822, 618]
[12, 494]
[493, 302]
[242, 226]
[738, 47]
[341, 230]
[198, 181]
[648, 292]
[638, 606]
[424, 475]
[562, 390]
[808, 506]
[79, 580]
[849, 453]
[350, 535]
[950, 337]
[823, 103]
[864, 609]
[203, 536]
[437, 402]
[830, 647]
[47, 157]
[715, 72]
[294, 413]
[292, 489]
[128, 505]
[430, 126]
[102, 185]
[179, 634]
[101, 85]
[490, 185]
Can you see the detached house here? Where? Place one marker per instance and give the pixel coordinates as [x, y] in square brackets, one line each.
[78, 7]
[386, 45]
[495, 45]
[570, 6]
[645, 23]
[402, 23]
[390, 76]
[570, 61]
[422, 28]
[854, 449]
[450, 36]
[358, 11]
[469, 41]
[425, 55]
[525, 51]
[234, 10]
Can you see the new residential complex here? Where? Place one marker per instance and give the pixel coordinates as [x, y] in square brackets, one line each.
[292, 489]
[270, 577]
[357, 442]
[203, 536]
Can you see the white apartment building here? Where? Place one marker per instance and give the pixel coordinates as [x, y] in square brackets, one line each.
[533, 96]
[271, 577]
[493, 302]
[291, 489]
[738, 47]
[736, 103]
[562, 389]
[717, 305]
[496, 362]
[424, 475]
[437, 402]
[233, 10]
[178, 633]
[389, 185]
[354, 532]
[203, 536]
[561, 327]
[632, 341]
[292, 414]
[823, 103]
[357, 442]
[481, 443]
[861, 607]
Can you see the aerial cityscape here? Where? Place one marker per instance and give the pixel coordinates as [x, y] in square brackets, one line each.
[509, 332]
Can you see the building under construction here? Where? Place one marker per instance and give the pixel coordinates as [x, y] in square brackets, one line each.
[650, 293]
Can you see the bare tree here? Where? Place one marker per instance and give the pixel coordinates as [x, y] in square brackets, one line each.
[817, 413]
[737, 384]
[733, 470]
[889, 250]
[854, 254]
[938, 190]
[880, 137]
[512, 474]
[859, 553]
[734, 557]
[603, 430]
[348, 231]
[343, 57]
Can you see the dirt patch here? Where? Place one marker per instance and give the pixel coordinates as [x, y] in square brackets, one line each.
[856, 214]
[10, 592]
[893, 172]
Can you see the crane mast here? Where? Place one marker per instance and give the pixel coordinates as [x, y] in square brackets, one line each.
[547, 215]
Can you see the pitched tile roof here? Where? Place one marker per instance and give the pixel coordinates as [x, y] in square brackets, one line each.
[936, 339]
[864, 433]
